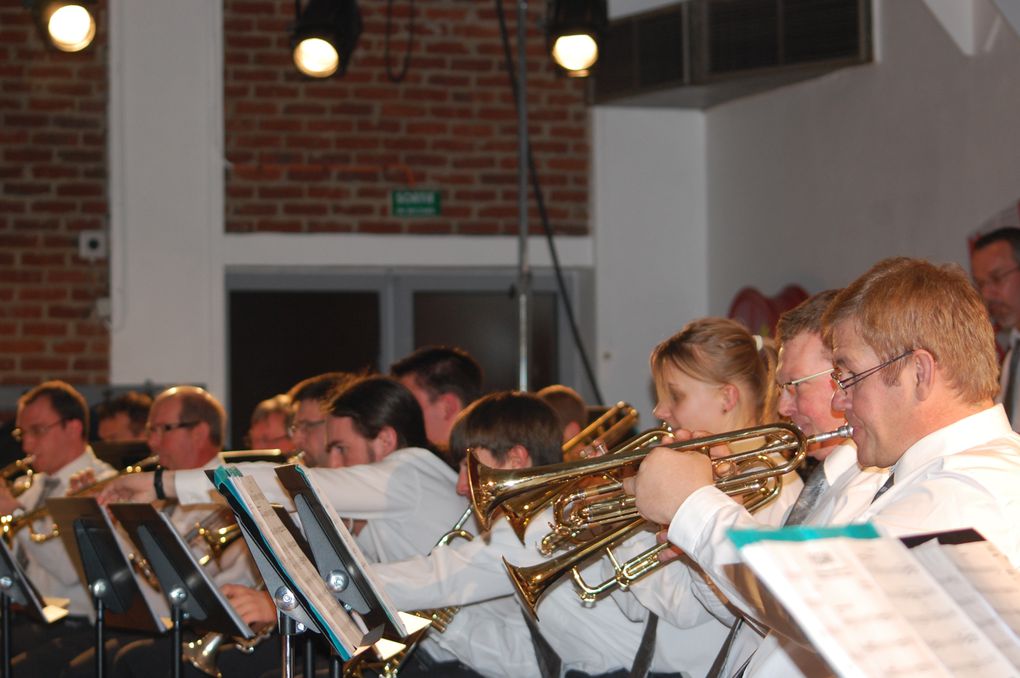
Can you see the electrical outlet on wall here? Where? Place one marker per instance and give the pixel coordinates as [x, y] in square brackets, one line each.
[93, 245]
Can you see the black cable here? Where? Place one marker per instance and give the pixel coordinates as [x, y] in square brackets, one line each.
[398, 77]
[544, 217]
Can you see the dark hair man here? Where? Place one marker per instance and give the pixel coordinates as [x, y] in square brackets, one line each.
[994, 263]
[123, 418]
[444, 380]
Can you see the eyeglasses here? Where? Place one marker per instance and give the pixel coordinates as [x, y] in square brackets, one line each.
[304, 426]
[163, 429]
[790, 387]
[995, 278]
[845, 383]
[36, 430]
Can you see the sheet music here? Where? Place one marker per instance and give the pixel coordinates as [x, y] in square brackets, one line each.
[994, 577]
[333, 617]
[400, 621]
[870, 609]
[940, 564]
[948, 630]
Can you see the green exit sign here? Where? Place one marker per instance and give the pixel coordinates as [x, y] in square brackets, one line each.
[415, 203]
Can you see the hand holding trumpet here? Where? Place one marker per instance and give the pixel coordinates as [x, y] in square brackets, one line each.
[667, 477]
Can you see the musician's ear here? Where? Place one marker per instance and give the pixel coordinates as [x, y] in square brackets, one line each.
[518, 457]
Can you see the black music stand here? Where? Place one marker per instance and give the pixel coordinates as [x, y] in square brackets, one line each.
[296, 611]
[337, 565]
[188, 589]
[104, 569]
[16, 588]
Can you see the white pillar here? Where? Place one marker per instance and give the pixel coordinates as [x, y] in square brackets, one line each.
[166, 192]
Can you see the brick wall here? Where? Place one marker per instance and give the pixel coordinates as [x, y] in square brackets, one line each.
[53, 179]
[323, 156]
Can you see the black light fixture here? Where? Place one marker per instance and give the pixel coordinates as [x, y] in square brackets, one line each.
[574, 29]
[325, 34]
[68, 26]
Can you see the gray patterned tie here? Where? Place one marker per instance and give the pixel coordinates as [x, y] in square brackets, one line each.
[816, 485]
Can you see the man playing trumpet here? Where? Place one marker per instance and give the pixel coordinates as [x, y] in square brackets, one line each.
[53, 427]
[916, 374]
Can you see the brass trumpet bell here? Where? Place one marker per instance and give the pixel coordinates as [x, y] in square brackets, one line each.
[758, 478]
[601, 434]
[523, 493]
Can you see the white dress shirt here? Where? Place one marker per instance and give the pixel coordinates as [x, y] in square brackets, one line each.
[409, 501]
[593, 640]
[963, 475]
[49, 566]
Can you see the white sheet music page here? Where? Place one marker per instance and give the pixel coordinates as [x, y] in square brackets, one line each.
[871, 610]
[951, 634]
[296, 564]
[938, 560]
[993, 576]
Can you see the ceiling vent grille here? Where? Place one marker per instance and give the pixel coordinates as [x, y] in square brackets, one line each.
[702, 52]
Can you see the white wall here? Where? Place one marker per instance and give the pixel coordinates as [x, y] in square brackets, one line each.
[815, 182]
[650, 229]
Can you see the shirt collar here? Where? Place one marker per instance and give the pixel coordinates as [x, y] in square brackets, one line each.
[964, 434]
[839, 460]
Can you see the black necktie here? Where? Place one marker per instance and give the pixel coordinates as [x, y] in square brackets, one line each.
[885, 487]
[1007, 396]
[549, 663]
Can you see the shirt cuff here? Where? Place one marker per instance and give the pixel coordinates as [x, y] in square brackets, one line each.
[694, 516]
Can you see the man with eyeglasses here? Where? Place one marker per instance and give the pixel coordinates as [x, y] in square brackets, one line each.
[53, 427]
[804, 377]
[916, 375]
[310, 399]
[270, 421]
[995, 265]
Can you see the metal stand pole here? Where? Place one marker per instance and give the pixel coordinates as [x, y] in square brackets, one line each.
[309, 655]
[177, 598]
[100, 639]
[524, 269]
[6, 604]
[287, 640]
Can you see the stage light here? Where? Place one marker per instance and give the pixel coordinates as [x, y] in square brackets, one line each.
[573, 31]
[325, 34]
[69, 26]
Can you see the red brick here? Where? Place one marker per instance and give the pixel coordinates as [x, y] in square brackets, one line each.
[43, 364]
[21, 346]
[44, 329]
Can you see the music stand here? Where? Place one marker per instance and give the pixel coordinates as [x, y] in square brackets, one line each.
[339, 565]
[299, 593]
[104, 570]
[15, 587]
[188, 589]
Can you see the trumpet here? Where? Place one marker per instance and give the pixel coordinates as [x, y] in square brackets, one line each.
[757, 477]
[596, 438]
[18, 475]
[11, 524]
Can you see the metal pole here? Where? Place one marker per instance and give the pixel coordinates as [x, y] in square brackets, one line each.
[524, 269]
